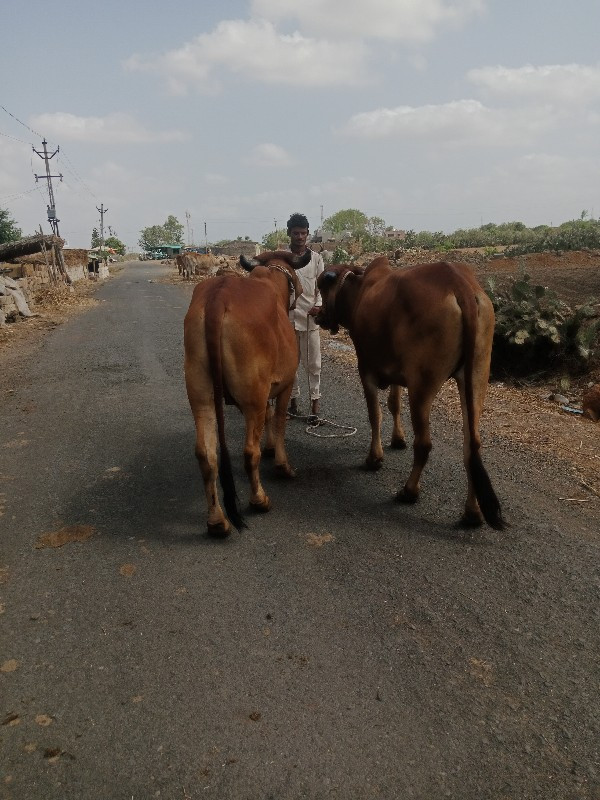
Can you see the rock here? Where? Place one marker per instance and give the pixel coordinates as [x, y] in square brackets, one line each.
[10, 288]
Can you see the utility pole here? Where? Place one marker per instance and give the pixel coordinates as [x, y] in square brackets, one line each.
[102, 211]
[321, 216]
[205, 238]
[187, 219]
[52, 218]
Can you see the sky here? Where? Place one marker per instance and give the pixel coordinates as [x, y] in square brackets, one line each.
[430, 114]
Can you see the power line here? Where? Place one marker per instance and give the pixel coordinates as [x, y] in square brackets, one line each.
[14, 138]
[19, 194]
[63, 158]
[21, 123]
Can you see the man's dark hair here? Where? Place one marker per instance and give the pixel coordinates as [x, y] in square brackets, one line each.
[297, 221]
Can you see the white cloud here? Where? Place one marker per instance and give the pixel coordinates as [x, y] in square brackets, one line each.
[413, 21]
[567, 83]
[111, 129]
[269, 155]
[255, 50]
[463, 122]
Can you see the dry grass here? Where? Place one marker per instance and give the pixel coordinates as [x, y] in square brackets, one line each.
[52, 305]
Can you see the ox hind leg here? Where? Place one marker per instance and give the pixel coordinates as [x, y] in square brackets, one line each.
[374, 458]
[420, 399]
[206, 454]
[394, 404]
[275, 424]
[254, 416]
[481, 503]
[472, 516]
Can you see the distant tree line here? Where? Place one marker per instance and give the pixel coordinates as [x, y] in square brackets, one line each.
[373, 234]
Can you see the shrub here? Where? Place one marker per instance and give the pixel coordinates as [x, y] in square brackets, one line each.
[340, 256]
[536, 332]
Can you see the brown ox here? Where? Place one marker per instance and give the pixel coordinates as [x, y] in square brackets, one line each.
[241, 348]
[418, 327]
[190, 264]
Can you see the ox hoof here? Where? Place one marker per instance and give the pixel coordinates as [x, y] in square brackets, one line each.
[398, 444]
[218, 530]
[373, 464]
[284, 471]
[268, 452]
[471, 519]
[261, 508]
[406, 496]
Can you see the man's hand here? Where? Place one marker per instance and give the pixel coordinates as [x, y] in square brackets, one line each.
[312, 312]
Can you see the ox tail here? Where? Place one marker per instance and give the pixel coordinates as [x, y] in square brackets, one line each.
[484, 492]
[213, 321]
[482, 485]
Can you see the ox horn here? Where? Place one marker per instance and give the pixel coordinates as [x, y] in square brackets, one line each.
[246, 264]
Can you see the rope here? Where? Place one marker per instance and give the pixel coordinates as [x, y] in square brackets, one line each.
[315, 422]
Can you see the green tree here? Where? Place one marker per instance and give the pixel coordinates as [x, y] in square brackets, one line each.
[152, 237]
[376, 226]
[8, 228]
[173, 230]
[115, 244]
[156, 235]
[96, 240]
[275, 240]
[350, 219]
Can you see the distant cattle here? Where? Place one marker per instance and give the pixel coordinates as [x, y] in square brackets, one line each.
[417, 327]
[240, 348]
[189, 264]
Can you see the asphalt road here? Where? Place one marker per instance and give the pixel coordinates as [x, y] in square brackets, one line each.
[341, 647]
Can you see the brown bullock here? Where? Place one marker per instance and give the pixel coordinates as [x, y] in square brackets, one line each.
[241, 348]
[417, 327]
[192, 263]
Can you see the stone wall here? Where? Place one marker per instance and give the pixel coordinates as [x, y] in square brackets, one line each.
[24, 276]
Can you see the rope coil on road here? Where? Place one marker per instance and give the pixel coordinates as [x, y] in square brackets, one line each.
[317, 422]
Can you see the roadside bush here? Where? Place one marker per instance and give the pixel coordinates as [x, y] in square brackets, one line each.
[340, 256]
[537, 333]
[574, 235]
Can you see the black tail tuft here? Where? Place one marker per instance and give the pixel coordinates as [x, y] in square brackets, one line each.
[230, 498]
[484, 491]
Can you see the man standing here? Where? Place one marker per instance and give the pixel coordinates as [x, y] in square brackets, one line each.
[303, 316]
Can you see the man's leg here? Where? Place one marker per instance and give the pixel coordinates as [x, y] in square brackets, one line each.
[314, 369]
[293, 409]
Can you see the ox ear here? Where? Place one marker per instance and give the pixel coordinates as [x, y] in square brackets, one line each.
[247, 265]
